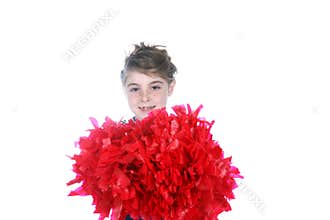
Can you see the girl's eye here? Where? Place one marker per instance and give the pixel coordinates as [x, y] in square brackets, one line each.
[155, 87]
[134, 89]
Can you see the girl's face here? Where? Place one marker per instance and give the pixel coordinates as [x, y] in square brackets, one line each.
[146, 92]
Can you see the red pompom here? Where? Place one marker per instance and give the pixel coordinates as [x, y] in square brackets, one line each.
[166, 166]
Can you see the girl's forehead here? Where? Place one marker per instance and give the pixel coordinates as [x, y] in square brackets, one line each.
[142, 78]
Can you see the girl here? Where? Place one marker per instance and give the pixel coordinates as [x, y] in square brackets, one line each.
[161, 167]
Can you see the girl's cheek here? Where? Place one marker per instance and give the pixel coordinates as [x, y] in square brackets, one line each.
[133, 95]
[131, 98]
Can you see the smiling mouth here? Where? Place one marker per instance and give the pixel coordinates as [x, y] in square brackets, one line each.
[147, 108]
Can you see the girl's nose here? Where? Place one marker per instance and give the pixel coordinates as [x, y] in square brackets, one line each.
[145, 96]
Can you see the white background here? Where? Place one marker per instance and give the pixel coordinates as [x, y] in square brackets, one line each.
[260, 68]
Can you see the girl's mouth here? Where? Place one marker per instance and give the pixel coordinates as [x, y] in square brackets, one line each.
[147, 108]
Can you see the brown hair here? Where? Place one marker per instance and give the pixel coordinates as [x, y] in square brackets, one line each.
[149, 59]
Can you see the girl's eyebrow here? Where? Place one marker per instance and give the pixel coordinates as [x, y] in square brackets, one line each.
[132, 84]
[156, 81]
[151, 83]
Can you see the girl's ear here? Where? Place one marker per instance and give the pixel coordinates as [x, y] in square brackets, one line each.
[171, 87]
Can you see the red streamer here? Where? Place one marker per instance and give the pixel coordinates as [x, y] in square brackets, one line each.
[166, 166]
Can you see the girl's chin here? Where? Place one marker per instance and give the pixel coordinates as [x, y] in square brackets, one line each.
[142, 114]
